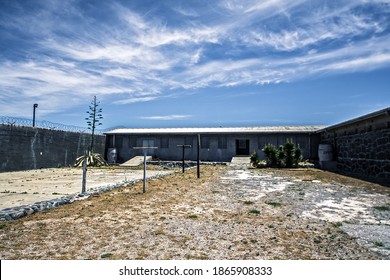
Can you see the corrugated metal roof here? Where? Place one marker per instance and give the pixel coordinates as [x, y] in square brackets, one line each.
[216, 130]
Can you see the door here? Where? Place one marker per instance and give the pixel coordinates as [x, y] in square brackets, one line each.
[242, 147]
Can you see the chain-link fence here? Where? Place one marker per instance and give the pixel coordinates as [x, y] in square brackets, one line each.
[45, 124]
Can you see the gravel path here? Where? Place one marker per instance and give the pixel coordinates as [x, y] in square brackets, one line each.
[229, 213]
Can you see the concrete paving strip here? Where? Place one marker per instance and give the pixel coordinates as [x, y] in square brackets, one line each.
[136, 161]
[27, 187]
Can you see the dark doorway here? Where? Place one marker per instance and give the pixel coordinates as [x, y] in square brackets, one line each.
[242, 147]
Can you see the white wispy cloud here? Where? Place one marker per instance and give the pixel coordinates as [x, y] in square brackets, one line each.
[135, 100]
[166, 118]
[133, 57]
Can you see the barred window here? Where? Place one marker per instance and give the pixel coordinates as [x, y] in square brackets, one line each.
[188, 141]
[164, 142]
[222, 143]
[205, 142]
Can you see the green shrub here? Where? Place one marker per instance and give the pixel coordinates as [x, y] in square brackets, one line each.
[289, 148]
[254, 159]
[297, 156]
[270, 153]
[287, 155]
[281, 156]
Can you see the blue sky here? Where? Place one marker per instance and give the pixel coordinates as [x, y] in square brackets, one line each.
[195, 63]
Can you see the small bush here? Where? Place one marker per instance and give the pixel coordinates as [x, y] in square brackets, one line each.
[289, 148]
[254, 159]
[270, 153]
[287, 155]
[281, 157]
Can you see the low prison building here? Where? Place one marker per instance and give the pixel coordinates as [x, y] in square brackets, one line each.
[217, 144]
[358, 147]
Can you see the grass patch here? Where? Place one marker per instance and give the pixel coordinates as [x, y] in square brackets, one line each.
[254, 212]
[193, 216]
[318, 240]
[106, 256]
[248, 202]
[159, 232]
[2, 226]
[337, 225]
[274, 203]
[382, 208]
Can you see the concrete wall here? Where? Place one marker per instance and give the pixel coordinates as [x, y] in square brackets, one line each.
[214, 147]
[362, 147]
[23, 148]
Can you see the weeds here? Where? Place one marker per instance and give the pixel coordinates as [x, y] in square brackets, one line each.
[382, 208]
[254, 212]
[105, 256]
[337, 225]
[248, 202]
[274, 203]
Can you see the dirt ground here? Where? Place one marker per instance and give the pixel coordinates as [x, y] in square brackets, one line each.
[229, 213]
[30, 186]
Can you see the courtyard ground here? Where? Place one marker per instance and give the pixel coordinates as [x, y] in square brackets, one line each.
[231, 212]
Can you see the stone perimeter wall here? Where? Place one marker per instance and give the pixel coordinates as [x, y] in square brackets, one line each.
[367, 154]
[24, 148]
[362, 149]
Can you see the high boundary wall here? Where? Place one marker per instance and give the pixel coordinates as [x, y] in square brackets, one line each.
[361, 147]
[24, 148]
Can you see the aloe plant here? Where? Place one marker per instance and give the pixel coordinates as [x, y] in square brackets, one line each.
[93, 159]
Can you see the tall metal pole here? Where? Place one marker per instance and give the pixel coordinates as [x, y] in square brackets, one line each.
[183, 154]
[144, 189]
[145, 152]
[183, 158]
[198, 156]
[84, 181]
[34, 107]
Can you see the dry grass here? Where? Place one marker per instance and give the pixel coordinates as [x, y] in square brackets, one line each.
[180, 217]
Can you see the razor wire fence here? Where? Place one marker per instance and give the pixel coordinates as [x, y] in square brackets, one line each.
[6, 120]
